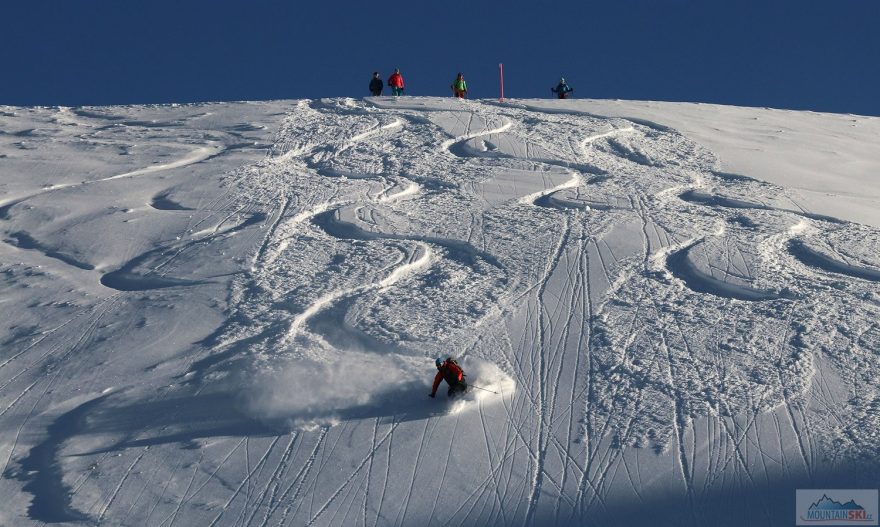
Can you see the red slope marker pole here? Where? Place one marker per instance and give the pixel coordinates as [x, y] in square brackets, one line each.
[501, 72]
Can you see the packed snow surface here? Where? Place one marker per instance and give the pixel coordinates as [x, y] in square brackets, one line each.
[227, 314]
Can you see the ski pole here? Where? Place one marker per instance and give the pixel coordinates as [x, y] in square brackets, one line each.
[484, 389]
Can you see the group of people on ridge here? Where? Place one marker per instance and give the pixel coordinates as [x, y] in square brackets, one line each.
[395, 82]
[459, 86]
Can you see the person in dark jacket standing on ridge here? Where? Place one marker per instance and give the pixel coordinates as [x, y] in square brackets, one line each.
[451, 372]
[395, 82]
[376, 85]
[562, 89]
[459, 86]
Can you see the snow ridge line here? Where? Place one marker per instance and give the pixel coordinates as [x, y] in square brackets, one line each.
[309, 147]
[657, 259]
[395, 276]
[611, 133]
[199, 154]
[284, 243]
[264, 246]
[211, 149]
[324, 207]
[411, 190]
[125, 278]
[401, 272]
[672, 261]
[813, 258]
[425, 258]
[317, 209]
[701, 282]
[713, 201]
[576, 180]
[397, 123]
[411, 267]
[446, 145]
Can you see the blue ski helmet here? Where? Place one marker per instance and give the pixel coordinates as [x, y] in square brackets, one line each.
[438, 362]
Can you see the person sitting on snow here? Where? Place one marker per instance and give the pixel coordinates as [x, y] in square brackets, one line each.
[562, 89]
[451, 372]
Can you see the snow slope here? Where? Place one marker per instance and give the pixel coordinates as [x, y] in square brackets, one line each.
[226, 314]
[828, 163]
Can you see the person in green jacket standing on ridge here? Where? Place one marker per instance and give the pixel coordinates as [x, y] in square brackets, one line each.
[459, 86]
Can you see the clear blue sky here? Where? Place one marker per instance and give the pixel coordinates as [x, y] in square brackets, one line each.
[802, 54]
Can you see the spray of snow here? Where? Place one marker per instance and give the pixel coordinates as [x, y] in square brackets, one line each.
[308, 394]
[488, 385]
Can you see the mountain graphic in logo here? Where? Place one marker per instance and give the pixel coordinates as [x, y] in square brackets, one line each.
[827, 504]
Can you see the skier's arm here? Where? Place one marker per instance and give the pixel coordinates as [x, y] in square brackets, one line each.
[437, 379]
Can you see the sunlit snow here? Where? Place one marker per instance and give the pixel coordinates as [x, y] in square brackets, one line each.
[228, 314]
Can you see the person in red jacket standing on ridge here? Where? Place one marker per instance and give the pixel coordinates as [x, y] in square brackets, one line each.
[395, 82]
[451, 372]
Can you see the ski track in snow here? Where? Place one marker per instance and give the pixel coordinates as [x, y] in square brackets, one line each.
[122, 279]
[396, 275]
[195, 156]
[605, 265]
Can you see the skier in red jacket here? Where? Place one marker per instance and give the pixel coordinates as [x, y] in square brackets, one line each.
[451, 372]
[395, 82]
